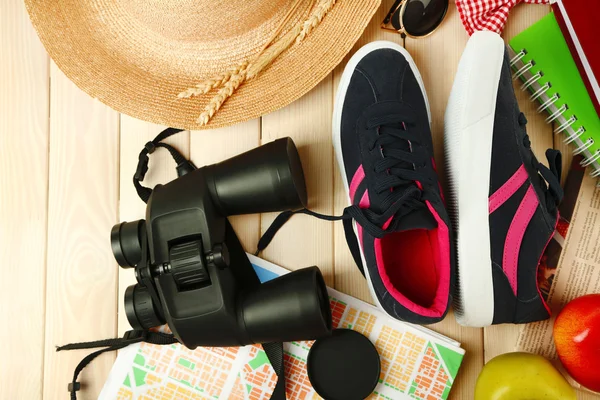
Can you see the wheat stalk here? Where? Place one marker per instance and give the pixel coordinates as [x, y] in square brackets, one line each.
[271, 52]
[320, 10]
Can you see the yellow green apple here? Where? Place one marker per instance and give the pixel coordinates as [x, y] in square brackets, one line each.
[522, 376]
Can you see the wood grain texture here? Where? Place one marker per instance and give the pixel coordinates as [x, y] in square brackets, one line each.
[215, 145]
[134, 135]
[305, 241]
[81, 290]
[24, 101]
[566, 151]
[502, 338]
[437, 58]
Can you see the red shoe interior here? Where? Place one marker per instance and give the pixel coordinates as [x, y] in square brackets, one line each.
[409, 261]
[415, 268]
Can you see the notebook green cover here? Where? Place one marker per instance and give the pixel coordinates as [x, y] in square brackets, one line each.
[545, 45]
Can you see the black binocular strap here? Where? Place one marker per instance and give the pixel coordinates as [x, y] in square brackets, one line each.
[347, 218]
[183, 165]
[130, 337]
[274, 352]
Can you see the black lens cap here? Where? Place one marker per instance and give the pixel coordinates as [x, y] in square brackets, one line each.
[343, 366]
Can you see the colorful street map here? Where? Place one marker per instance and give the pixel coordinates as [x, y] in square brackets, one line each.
[416, 363]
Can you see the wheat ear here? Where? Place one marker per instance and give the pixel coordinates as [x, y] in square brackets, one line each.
[222, 95]
[247, 73]
[315, 18]
[212, 83]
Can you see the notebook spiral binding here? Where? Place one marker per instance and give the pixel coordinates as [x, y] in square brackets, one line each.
[542, 92]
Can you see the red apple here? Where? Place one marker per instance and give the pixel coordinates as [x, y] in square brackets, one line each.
[577, 339]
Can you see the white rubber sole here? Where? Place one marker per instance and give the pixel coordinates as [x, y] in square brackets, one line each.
[468, 135]
[337, 118]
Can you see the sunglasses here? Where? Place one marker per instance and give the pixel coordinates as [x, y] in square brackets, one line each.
[415, 18]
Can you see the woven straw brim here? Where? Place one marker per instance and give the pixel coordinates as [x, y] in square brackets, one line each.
[137, 91]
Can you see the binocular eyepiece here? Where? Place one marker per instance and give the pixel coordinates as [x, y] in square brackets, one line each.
[125, 241]
[192, 271]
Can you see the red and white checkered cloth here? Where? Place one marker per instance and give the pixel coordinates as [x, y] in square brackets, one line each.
[487, 15]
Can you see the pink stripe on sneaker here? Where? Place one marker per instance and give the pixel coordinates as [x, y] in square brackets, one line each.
[365, 202]
[359, 175]
[514, 237]
[508, 189]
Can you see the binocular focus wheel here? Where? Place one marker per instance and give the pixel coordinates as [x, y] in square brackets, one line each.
[139, 308]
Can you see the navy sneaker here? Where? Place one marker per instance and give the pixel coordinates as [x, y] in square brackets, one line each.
[382, 139]
[504, 200]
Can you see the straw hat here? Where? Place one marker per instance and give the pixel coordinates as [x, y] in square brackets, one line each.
[198, 63]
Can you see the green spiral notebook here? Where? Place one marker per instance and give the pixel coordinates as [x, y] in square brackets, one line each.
[543, 62]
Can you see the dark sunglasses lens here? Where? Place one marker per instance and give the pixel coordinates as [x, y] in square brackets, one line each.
[423, 16]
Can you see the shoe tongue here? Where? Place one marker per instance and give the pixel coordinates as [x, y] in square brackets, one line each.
[416, 219]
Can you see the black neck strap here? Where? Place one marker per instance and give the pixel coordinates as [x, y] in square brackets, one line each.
[183, 165]
[130, 337]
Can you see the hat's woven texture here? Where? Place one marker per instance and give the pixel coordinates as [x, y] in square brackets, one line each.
[137, 56]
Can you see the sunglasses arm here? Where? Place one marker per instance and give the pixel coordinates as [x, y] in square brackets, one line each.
[394, 7]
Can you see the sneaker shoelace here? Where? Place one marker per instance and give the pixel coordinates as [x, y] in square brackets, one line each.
[396, 172]
[400, 166]
[549, 177]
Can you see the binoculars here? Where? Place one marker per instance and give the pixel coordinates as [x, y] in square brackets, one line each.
[192, 272]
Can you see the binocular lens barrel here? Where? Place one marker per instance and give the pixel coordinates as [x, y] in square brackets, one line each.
[268, 178]
[125, 241]
[292, 307]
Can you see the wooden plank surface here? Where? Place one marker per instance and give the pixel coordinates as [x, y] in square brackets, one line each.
[305, 241]
[81, 276]
[78, 171]
[24, 101]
